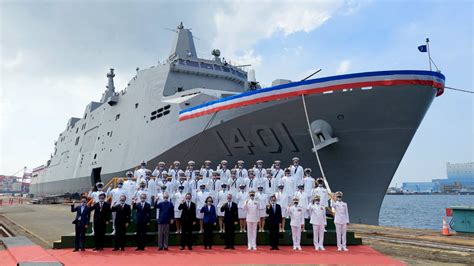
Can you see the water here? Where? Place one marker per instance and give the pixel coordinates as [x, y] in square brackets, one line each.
[419, 211]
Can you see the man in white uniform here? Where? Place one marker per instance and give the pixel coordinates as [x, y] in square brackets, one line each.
[303, 201]
[224, 171]
[269, 184]
[242, 173]
[251, 206]
[317, 214]
[177, 199]
[174, 172]
[141, 172]
[159, 170]
[214, 185]
[182, 181]
[341, 220]
[259, 171]
[130, 186]
[142, 190]
[251, 182]
[289, 185]
[206, 170]
[115, 199]
[221, 199]
[277, 172]
[233, 183]
[190, 172]
[321, 192]
[309, 183]
[296, 215]
[297, 171]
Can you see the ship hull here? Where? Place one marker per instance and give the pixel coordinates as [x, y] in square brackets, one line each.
[374, 128]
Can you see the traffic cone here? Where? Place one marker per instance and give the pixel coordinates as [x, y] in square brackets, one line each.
[445, 231]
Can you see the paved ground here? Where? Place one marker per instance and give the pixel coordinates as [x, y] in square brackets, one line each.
[48, 222]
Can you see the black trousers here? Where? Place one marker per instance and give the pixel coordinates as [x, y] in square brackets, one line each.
[186, 235]
[141, 235]
[99, 234]
[120, 230]
[208, 228]
[229, 234]
[80, 239]
[274, 231]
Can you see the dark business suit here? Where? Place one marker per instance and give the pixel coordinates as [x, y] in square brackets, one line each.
[101, 218]
[274, 220]
[209, 219]
[188, 218]
[231, 216]
[122, 217]
[142, 219]
[81, 221]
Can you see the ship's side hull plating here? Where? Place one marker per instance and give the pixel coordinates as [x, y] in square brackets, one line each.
[374, 127]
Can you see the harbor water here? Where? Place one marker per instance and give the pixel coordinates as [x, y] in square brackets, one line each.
[419, 211]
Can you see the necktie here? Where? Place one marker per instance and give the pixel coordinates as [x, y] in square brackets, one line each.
[296, 168]
[229, 205]
[207, 174]
[269, 183]
[251, 183]
[273, 208]
[214, 184]
[240, 173]
[101, 206]
[143, 205]
[188, 205]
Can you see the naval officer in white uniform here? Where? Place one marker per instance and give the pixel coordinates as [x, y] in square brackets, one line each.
[251, 206]
[317, 214]
[296, 215]
[341, 220]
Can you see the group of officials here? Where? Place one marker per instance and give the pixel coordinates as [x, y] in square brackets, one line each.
[222, 197]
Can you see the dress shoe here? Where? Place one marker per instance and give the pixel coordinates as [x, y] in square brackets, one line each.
[122, 249]
[83, 249]
[96, 249]
[232, 248]
[115, 249]
[181, 248]
[205, 247]
[75, 250]
[190, 248]
[226, 247]
[160, 248]
[277, 248]
[166, 248]
[137, 249]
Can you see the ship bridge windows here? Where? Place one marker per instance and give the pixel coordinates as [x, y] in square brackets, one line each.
[217, 67]
[192, 63]
[225, 69]
[181, 61]
[206, 65]
[160, 112]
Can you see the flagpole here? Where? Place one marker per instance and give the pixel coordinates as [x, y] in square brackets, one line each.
[428, 50]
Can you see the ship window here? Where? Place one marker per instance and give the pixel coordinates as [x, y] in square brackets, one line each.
[166, 112]
[216, 67]
[226, 69]
[192, 63]
[180, 89]
[153, 113]
[77, 130]
[136, 105]
[159, 115]
[181, 61]
[206, 65]
[117, 117]
[108, 133]
[160, 110]
[77, 141]
[111, 132]
[233, 71]
[95, 156]
[167, 107]
[153, 117]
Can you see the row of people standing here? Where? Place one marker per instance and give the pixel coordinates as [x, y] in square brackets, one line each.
[188, 216]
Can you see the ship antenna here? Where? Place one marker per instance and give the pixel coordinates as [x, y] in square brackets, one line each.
[314, 73]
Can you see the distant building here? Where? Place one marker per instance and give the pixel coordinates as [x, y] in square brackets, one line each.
[417, 187]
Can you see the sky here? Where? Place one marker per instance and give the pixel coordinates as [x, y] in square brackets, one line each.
[54, 56]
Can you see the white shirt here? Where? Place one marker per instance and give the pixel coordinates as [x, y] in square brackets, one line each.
[323, 195]
[282, 199]
[269, 186]
[140, 174]
[225, 173]
[303, 199]
[289, 185]
[260, 172]
[296, 215]
[143, 191]
[277, 174]
[177, 199]
[242, 173]
[251, 206]
[116, 193]
[206, 172]
[262, 199]
[341, 212]
[298, 174]
[240, 198]
[201, 197]
[309, 183]
[158, 173]
[317, 214]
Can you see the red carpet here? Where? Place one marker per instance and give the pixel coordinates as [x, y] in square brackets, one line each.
[198, 256]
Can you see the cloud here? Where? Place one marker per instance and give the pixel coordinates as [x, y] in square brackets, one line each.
[242, 24]
[12, 63]
[343, 67]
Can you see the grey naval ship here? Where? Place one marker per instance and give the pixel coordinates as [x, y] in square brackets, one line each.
[361, 129]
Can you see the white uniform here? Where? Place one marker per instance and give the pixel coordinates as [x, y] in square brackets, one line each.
[240, 198]
[252, 209]
[183, 183]
[317, 214]
[140, 174]
[283, 200]
[341, 219]
[225, 173]
[143, 191]
[277, 174]
[269, 186]
[233, 186]
[116, 193]
[303, 202]
[323, 195]
[201, 197]
[260, 173]
[251, 183]
[242, 173]
[221, 199]
[174, 173]
[177, 199]
[158, 173]
[214, 187]
[151, 185]
[296, 215]
[298, 173]
[95, 195]
[309, 183]
[206, 172]
[262, 199]
[130, 186]
[205, 181]
[190, 174]
[289, 184]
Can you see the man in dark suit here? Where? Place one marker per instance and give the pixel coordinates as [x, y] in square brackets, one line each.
[188, 219]
[142, 220]
[231, 218]
[101, 219]
[81, 223]
[274, 220]
[165, 218]
[123, 212]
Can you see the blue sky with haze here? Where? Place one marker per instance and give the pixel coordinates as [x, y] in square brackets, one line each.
[54, 56]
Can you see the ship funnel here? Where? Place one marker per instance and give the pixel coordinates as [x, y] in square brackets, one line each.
[183, 45]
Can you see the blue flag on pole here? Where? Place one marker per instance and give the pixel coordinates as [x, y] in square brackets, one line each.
[422, 48]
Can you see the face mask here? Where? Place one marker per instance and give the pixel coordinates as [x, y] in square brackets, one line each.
[122, 201]
[273, 202]
[166, 198]
[317, 202]
[101, 200]
[83, 203]
[252, 197]
[320, 185]
[296, 203]
[339, 199]
[142, 199]
[120, 185]
[99, 188]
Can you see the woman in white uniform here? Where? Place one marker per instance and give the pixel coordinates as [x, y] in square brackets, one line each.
[317, 214]
[262, 200]
[221, 199]
[241, 197]
[283, 200]
[341, 220]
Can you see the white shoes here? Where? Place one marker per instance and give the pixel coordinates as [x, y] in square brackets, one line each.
[322, 248]
[252, 248]
[294, 248]
[339, 249]
[298, 248]
[345, 249]
[249, 248]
